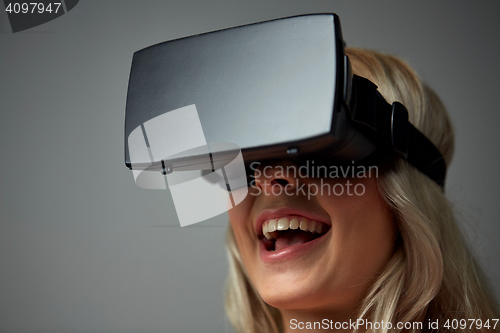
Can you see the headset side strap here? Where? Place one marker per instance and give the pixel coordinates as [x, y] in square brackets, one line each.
[389, 126]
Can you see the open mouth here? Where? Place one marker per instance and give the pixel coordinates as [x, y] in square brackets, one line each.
[281, 233]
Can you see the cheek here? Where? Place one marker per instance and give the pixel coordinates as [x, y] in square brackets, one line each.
[240, 218]
[363, 232]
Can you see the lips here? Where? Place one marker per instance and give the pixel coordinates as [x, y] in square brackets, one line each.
[289, 231]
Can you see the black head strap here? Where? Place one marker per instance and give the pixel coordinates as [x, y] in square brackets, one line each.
[388, 124]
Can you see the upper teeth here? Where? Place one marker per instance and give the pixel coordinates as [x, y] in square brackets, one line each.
[283, 223]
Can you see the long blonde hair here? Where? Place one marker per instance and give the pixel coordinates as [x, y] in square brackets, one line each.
[432, 274]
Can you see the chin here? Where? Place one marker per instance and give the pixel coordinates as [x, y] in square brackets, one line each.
[287, 299]
[292, 292]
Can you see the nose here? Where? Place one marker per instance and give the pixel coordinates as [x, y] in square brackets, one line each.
[276, 178]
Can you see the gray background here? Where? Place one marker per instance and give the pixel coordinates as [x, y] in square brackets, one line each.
[83, 249]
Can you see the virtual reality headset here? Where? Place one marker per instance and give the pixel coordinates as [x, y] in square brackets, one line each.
[276, 90]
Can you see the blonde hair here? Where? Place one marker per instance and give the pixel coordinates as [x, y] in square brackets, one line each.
[432, 274]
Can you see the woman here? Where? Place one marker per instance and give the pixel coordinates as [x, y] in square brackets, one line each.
[393, 254]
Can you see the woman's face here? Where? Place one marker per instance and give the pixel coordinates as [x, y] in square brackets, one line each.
[331, 268]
